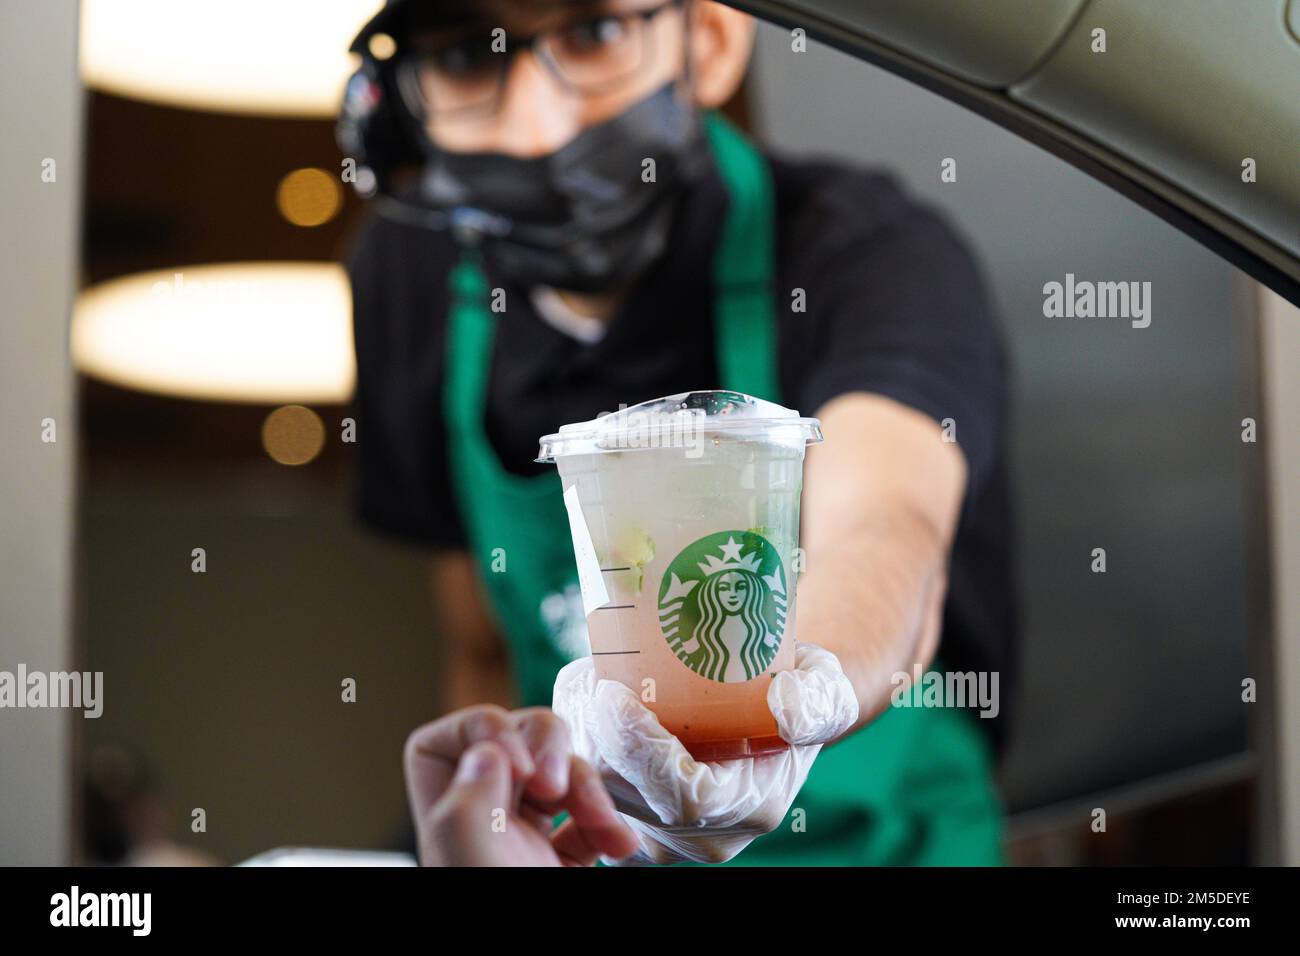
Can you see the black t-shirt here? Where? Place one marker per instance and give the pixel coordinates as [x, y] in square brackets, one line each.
[894, 305]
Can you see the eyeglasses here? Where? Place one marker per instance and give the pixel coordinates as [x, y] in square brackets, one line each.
[463, 77]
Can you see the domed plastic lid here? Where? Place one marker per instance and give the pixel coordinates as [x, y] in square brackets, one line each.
[680, 421]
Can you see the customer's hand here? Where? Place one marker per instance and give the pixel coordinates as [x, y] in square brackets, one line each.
[683, 809]
[484, 784]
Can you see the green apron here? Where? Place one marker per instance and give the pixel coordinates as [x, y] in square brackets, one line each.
[912, 787]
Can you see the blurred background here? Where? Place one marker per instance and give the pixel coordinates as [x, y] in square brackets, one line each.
[201, 393]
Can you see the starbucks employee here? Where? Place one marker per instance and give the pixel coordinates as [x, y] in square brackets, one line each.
[565, 224]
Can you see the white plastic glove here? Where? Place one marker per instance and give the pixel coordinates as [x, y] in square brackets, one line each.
[682, 809]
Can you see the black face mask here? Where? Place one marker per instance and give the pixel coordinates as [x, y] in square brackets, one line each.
[582, 218]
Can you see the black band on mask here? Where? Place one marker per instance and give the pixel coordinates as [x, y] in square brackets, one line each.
[589, 216]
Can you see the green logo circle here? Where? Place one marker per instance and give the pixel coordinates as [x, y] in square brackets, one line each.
[722, 605]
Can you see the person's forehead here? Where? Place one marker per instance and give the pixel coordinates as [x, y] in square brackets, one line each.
[504, 12]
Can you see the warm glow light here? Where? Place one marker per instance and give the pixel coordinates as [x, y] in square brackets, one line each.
[309, 197]
[382, 46]
[293, 435]
[271, 333]
[284, 57]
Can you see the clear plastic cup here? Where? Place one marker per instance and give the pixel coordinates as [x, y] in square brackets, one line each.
[685, 519]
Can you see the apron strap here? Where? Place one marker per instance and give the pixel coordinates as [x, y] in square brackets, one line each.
[469, 342]
[744, 265]
[744, 309]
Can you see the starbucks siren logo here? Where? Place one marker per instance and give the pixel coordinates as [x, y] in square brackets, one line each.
[722, 605]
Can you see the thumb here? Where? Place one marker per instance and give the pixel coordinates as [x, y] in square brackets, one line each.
[815, 702]
[482, 785]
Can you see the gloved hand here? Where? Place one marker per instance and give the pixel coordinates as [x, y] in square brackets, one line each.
[683, 809]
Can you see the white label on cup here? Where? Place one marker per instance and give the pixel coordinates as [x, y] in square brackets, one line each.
[589, 576]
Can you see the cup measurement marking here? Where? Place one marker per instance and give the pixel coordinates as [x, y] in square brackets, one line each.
[614, 607]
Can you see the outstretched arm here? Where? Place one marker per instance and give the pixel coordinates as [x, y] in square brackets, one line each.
[881, 501]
